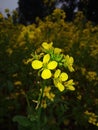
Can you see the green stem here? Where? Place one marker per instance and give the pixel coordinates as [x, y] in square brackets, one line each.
[39, 106]
[28, 104]
[39, 118]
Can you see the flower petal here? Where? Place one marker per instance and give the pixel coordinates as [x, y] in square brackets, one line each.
[57, 73]
[71, 60]
[46, 74]
[46, 45]
[72, 88]
[46, 58]
[57, 50]
[63, 76]
[52, 65]
[60, 86]
[36, 64]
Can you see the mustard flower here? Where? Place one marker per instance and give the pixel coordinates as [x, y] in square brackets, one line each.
[46, 66]
[59, 78]
[92, 117]
[69, 85]
[69, 62]
[48, 94]
[46, 91]
[51, 96]
[43, 104]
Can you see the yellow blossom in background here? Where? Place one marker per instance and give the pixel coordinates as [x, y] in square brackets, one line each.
[66, 122]
[91, 75]
[31, 35]
[16, 83]
[92, 117]
[9, 51]
[79, 97]
[58, 13]
[15, 75]
[46, 66]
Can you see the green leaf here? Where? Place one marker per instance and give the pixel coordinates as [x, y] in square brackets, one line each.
[22, 120]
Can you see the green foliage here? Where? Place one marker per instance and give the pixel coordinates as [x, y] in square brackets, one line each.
[23, 121]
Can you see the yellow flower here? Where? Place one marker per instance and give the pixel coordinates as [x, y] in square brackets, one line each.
[59, 85]
[31, 35]
[51, 96]
[69, 62]
[43, 104]
[48, 94]
[18, 83]
[36, 64]
[92, 117]
[69, 85]
[57, 50]
[46, 66]
[46, 91]
[47, 46]
[59, 78]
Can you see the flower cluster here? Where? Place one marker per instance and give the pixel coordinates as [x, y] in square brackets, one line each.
[47, 95]
[53, 65]
[92, 118]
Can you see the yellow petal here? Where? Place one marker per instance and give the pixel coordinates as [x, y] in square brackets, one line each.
[57, 73]
[57, 50]
[71, 69]
[46, 45]
[71, 60]
[52, 65]
[60, 86]
[63, 76]
[36, 64]
[70, 82]
[46, 58]
[47, 89]
[46, 74]
[72, 88]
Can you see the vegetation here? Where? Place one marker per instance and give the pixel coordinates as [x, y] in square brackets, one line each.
[32, 96]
